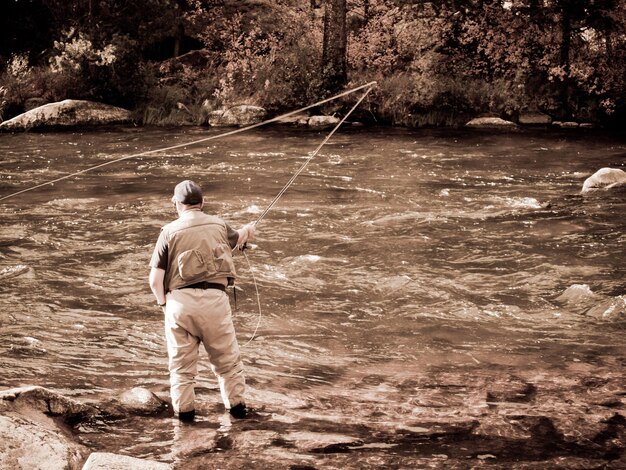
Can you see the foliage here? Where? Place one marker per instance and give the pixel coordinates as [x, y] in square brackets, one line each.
[437, 63]
[270, 68]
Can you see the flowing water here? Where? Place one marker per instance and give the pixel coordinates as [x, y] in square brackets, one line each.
[425, 295]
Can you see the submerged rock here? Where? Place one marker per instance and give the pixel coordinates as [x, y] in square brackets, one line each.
[512, 390]
[68, 113]
[580, 298]
[613, 308]
[13, 271]
[604, 178]
[487, 122]
[577, 294]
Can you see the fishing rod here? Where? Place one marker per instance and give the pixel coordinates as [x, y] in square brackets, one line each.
[243, 247]
[194, 142]
[315, 152]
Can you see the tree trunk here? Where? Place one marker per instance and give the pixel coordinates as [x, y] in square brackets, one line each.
[178, 39]
[334, 61]
[566, 40]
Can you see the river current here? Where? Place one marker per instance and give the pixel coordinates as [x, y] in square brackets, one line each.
[407, 281]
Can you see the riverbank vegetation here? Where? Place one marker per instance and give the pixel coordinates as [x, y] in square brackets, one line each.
[436, 63]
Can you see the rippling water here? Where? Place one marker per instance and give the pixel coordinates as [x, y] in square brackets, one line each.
[396, 259]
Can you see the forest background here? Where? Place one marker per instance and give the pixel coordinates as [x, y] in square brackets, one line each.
[437, 63]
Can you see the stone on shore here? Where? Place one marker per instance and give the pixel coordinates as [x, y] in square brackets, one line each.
[604, 178]
[489, 122]
[322, 122]
[566, 124]
[109, 461]
[299, 119]
[241, 115]
[67, 114]
[534, 119]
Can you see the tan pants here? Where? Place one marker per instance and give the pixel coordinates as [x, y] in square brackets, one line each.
[202, 315]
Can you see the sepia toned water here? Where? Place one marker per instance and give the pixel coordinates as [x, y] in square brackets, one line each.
[427, 297]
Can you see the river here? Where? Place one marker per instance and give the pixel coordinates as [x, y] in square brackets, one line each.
[429, 299]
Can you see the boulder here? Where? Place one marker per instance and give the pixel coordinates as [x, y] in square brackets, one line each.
[241, 115]
[322, 122]
[67, 113]
[41, 400]
[488, 122]
[534, 119]
[109, 461]
[139, 400]
[33, 433]
[604, 178]
[300, 119]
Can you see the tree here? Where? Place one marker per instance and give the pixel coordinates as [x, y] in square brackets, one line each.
[334, 60]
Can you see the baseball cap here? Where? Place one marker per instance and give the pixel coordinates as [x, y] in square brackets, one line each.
[187, 192]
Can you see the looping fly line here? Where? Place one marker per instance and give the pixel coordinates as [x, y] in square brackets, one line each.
[194, 142]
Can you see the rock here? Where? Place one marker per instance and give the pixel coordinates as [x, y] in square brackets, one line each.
[299, 119]
[67, 113]
[109, 461]
[241, 115]
[487, 122]
[321, 442]
[577, 294]
[139, 400]
[566, 124]
[42, 400]
[613, 308]
[534, 119]
[322, 122]
[604, 178]
[512, 390]
[13, 271]
[26, 444]
[30, 436]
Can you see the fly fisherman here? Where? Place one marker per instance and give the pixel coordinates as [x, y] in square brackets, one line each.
[190, 268]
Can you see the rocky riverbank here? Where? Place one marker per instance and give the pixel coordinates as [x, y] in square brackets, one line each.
[69, 114]
[443, 420]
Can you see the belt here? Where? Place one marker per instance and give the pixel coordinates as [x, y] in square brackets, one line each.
[205, 285]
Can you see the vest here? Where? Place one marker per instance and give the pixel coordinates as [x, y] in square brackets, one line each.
[198, 250]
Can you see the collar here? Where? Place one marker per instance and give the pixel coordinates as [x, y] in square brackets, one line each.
[190, 213]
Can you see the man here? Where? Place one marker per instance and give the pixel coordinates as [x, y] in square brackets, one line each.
[190, 268]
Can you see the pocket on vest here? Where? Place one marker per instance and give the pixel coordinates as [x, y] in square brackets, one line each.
[223, 259]
[193, 264]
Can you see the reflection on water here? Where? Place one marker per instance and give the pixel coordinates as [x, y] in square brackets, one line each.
[403, 273]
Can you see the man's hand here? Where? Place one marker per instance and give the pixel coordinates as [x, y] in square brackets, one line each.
[246, 233]
[251, 228]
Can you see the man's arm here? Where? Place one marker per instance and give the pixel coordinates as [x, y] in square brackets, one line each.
[157, 276]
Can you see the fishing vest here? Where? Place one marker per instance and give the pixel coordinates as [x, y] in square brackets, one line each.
[198, 250]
